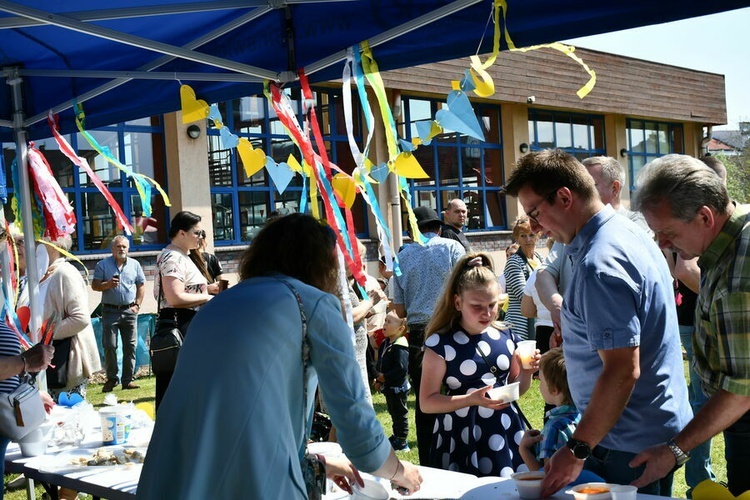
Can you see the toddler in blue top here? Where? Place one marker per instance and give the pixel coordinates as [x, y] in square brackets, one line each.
[537, 447]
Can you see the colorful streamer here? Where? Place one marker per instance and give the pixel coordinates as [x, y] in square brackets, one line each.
[67, 150]
[59, 216]
[141, 181]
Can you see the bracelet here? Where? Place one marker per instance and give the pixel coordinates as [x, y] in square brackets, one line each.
[23, 358]
[398, 468]
[321, 459]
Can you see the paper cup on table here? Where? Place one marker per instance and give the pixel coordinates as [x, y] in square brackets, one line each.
[624, 492]
[223, 285]
[526, 350]
[34, 443]
[115, 424]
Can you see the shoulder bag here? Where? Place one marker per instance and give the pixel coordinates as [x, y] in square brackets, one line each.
[57, 377]
[22, 410]
[167, 340]
[313, 466]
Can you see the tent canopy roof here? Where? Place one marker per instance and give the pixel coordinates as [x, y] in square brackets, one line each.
[127, 62]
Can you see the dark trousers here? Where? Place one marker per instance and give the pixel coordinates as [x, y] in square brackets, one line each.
[612, 465]
[424, 422]
[543, 334]
[183, 318]
[398, 411]
[125, 323]
[737, 454]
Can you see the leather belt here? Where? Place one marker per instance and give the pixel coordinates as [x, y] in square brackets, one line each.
[119, 308]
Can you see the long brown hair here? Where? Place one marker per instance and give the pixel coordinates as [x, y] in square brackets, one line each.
[295, 245]
[465, 276]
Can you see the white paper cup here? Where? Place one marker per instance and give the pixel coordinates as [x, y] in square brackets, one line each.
[623, 492]
[115, 424]
[34, 443]
[526, 350]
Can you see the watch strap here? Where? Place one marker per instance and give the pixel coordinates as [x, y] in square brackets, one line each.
[680, 456]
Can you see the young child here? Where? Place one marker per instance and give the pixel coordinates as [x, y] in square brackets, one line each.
[537, 447]
[469, 353]
[393, 370]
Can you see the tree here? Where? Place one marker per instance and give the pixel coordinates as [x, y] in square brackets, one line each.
[738, 174]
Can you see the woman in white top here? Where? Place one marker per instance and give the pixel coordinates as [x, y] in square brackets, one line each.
[180, 288]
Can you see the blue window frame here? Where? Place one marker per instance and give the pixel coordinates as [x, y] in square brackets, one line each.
[578, 134]
[255, 197]
[138, 144]
[458, 166]
[648, 140]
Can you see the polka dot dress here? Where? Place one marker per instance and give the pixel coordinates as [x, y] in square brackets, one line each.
[474, 439]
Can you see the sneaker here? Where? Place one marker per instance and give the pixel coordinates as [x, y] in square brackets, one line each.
[399, 444]
[131, 385]
[109, 385]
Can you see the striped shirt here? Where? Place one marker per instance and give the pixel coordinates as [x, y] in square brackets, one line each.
[721, 342]
[9, 346]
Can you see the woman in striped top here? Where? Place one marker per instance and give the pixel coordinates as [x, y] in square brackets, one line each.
[517, 270]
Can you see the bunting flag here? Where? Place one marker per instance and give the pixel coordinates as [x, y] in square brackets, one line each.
[142, 182]
[67, 150]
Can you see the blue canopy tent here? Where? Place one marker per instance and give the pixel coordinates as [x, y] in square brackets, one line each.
[126, 62]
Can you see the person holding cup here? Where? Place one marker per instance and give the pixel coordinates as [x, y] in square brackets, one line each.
[469, 353]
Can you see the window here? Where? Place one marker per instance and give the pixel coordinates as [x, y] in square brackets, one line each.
[580, 135]
[459, 166]
[139, 145]
[255, 197]
[648, 140]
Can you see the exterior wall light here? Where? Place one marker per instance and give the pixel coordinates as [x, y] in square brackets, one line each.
[194, 131]
[624, 153]
[524, 148]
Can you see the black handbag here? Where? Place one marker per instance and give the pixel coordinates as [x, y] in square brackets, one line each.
[165, 345]
[57, 377]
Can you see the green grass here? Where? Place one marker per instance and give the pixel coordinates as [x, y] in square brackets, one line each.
[531, 404]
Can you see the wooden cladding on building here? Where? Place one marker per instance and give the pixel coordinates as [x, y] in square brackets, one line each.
[625, 86]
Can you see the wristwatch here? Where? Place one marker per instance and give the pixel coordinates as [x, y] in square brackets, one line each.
[580, 450]
[680, 456]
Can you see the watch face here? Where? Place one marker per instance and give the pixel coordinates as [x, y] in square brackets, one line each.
[580, 450]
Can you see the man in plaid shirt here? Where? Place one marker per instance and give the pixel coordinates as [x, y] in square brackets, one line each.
[688, 207]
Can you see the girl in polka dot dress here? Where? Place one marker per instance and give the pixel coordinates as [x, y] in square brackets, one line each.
[464, 345]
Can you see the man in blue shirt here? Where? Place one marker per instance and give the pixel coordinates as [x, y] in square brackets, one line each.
[621, 340]
[121, 281]
[424, 269]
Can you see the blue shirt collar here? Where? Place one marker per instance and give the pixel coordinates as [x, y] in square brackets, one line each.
[587, 232]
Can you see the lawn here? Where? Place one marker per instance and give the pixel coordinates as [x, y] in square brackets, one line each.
[531, 404]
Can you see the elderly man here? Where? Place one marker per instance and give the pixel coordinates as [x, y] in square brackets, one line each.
[121, 281]
[689, 209]
[609, 177]
[455, 219]
[424, 269]
[622, 346]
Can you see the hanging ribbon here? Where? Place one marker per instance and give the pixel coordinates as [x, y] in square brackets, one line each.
[67, 150]
[59, 216]
[141, 181]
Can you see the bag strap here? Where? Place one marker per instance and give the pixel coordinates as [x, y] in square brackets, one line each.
[305, 360]
[158, 300]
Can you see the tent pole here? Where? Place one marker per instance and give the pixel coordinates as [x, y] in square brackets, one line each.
[23, 192]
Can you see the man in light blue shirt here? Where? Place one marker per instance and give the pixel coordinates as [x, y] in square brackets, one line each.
[121, 281]
[621, 339]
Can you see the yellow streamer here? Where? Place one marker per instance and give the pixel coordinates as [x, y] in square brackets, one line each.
[66, 254]
[372, 73]
[568, 50]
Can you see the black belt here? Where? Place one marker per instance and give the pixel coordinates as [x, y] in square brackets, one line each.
[119, 308]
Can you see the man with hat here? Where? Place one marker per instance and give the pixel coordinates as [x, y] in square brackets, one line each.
[424, 269]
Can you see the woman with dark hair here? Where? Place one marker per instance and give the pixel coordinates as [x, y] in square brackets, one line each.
[180, 288]
[243, 431]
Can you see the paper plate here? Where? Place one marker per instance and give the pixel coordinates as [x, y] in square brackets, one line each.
[372, 490]
[80, 458]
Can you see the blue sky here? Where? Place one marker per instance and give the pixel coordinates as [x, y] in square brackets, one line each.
[719, 43]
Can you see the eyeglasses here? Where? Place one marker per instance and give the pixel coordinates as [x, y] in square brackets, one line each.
[200, 233]
[548, 199]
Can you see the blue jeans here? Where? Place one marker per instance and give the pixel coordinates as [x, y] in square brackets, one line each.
[126, 324]
[698, 468]
[612, 465]
[737, 454]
